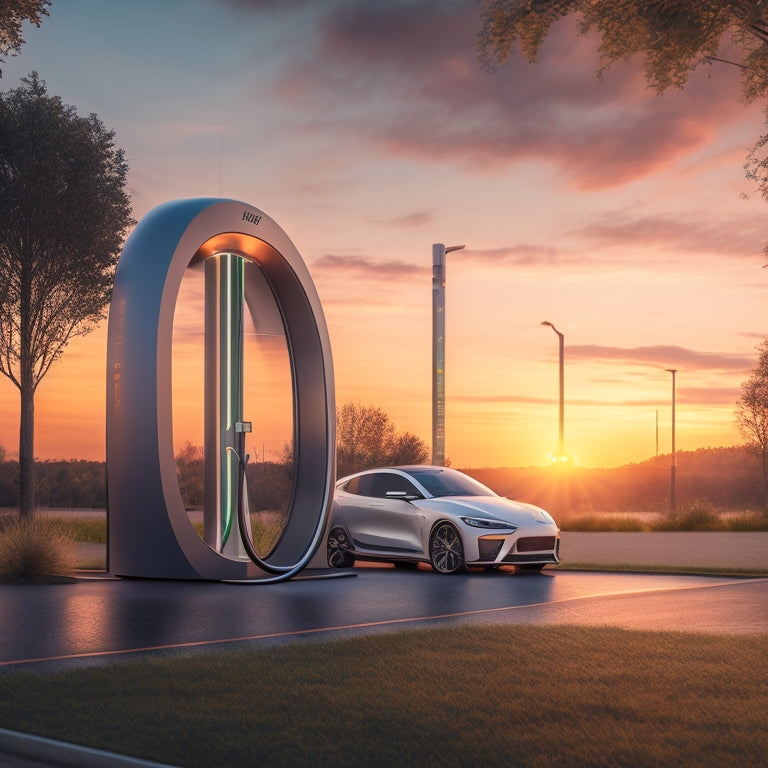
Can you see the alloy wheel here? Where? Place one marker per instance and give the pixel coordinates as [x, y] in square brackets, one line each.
[339, 555]
[446, 551]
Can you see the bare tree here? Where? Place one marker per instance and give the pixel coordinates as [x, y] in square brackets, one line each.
[64, 213]
[752, 412]
[366, 437]
[12, 14]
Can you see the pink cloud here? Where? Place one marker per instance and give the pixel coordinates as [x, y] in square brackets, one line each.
[406, 77]
[662, 356]
[362, 266]
[687, 234]
[683, 396]
[413, 220]
[528, 254]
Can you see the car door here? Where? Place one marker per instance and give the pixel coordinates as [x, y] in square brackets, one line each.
[381, 523]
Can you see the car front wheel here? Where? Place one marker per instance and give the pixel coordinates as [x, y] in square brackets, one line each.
[339, 555]
[446, 552]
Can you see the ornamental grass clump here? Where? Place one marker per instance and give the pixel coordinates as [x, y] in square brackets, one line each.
[698, 516]
[603, 523]
[35, 550]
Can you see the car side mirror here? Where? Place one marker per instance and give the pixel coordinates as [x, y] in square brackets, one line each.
[404, 495]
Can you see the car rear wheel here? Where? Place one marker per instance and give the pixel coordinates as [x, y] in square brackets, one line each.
[339, 555]
[446, 552]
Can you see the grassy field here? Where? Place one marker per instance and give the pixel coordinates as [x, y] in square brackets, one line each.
[699, 516]
[91, 529]
[490, 696]
[693, 517]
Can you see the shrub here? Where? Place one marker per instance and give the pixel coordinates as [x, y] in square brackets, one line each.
[595, 523]
[698, 516]
[747, 522]
[35, 550]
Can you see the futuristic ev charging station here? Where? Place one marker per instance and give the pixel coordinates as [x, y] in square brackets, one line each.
[251, 263]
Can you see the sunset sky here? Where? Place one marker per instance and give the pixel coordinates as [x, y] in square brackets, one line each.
[369, 131]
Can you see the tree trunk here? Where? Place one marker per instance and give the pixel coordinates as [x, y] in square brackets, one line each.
[27, 454]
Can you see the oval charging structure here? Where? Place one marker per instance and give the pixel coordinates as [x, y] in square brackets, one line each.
[250, 262]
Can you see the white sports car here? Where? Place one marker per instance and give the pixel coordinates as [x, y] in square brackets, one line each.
[436, 515]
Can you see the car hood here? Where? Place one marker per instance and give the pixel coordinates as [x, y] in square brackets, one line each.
[517, 512]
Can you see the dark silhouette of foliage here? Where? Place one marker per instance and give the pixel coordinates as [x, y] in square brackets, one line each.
[752, 412]
[269, 483]
[64, 213]
[71, 484]
[673, 37]
[9, 484]
[190, 462]
[12, 15]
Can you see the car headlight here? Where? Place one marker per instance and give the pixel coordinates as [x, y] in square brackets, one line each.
[486, 524]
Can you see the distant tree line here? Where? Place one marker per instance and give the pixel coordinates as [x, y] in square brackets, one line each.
[726, 478]
[66, 484]
[82, 484]
[269, 483]
[366, 437]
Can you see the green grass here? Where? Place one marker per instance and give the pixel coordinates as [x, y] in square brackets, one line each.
[698, 516]
[490, 696]
[266, 527]
[87, 530]
[84, 530]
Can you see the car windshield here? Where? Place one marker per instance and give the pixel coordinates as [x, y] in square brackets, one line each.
[449, 482]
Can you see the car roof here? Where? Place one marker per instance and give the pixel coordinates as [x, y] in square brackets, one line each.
[408, 468]
[401, 467]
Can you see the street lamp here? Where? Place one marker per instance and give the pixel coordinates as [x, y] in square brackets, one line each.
[673, 471]
[561, 425]
[438, 350]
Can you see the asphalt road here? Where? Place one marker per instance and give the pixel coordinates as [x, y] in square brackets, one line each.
[101, 619]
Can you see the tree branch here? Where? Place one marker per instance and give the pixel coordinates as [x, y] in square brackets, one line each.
[708, 59]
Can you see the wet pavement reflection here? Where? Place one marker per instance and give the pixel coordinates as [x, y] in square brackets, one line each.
[96, 620]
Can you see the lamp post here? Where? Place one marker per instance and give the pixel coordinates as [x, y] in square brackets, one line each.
[438, 350]
[561, 423]
[673, 470]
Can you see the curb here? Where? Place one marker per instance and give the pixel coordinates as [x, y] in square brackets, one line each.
[60, 754]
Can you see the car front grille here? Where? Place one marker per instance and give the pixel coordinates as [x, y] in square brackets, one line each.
[535, 543]
[515, 559]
